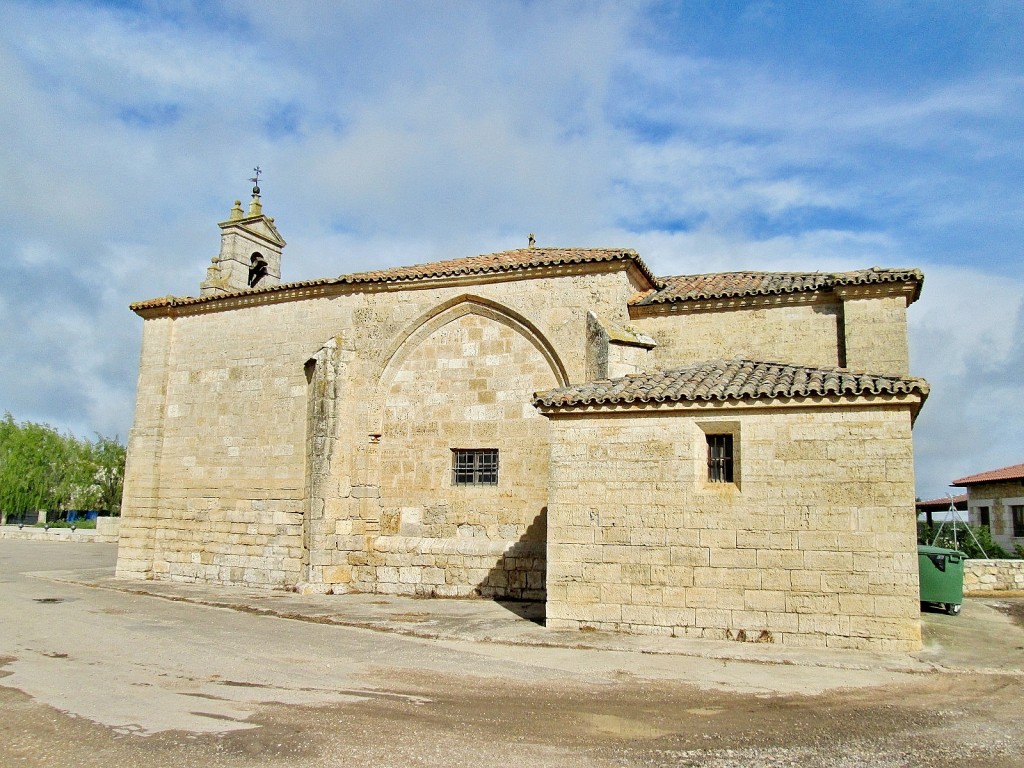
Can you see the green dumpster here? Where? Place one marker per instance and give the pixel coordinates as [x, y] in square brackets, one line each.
[942, 577]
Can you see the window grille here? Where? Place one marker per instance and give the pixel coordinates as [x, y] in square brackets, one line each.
[477, 466]
[720, 459]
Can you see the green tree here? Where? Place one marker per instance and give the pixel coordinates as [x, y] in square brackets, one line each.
[24, 470]
[43, 469]
[104, 484]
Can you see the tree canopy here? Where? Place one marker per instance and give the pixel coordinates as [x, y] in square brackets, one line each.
[41, 468]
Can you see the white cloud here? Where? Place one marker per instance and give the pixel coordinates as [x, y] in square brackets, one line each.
[409, 132]
[965, 339]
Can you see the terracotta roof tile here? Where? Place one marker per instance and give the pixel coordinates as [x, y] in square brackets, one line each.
[1014, 472]
[739, 284]
[505, 261]
[729, 380]
[941, 504]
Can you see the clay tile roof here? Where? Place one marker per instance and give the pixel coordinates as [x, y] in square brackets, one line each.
[729, 380]
[739, 284]
[1014, 472]
[941, 504]
[505, 261]
[185, 301]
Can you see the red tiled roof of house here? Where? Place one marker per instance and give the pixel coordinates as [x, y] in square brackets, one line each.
[505, 261]
[739, 284]
[938, 505]
[1013, 472]
[730, 380]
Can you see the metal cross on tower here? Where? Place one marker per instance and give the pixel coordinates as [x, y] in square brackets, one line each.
[256, 180]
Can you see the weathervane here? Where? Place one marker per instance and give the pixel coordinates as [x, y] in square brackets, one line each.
[256, 180]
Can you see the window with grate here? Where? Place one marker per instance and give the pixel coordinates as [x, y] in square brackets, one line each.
[474, 466]
[720, 459]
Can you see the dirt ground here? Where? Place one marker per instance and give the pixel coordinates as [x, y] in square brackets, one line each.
[1015, 610]
[289, 693]
[462, 721]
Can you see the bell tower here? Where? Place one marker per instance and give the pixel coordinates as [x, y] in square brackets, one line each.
[250, 250]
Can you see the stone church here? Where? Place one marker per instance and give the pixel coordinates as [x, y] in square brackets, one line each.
[720, 455]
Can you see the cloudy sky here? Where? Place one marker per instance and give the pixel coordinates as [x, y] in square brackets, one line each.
[709, 135]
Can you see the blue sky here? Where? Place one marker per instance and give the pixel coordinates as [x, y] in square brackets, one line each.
[707, 135]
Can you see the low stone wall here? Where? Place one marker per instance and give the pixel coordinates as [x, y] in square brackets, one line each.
[105, 532]
[983, 576]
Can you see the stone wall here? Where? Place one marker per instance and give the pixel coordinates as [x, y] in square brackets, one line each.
[985, 576]
[141, 512]
[803, 332]
[813, 545]
[227, 404]
[108, 528]
[275, 441]
[998, 497]
[466, 385]
[864, 329]
[875, 331]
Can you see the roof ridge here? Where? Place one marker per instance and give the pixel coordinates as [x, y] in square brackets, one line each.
[492, 262]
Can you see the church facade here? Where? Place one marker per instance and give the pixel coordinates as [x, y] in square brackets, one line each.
[724, 455]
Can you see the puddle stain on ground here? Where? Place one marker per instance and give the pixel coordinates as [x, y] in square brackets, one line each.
[226, 718]
[356, 692]
[412, 617]
[623, 727]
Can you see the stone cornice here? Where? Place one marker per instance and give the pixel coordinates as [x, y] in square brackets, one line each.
[877, 290]
[726, 304]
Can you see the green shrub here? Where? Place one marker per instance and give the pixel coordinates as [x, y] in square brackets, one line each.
[963, 540]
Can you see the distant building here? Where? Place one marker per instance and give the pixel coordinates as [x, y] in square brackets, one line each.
[947, 508]
[723, 455]
[996, 499]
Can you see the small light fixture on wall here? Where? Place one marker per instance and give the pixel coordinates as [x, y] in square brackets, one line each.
[374, 439]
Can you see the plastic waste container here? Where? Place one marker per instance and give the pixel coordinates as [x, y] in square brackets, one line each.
[942, 577]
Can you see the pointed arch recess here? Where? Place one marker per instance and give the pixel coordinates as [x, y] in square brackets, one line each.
[467, 304]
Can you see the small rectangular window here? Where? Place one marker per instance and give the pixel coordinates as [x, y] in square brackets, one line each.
[1017, 512]
[983, 516]
[720, 459]
[475, 466]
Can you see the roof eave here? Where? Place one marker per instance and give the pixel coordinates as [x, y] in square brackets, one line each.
[914, 400]
[379, 282]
